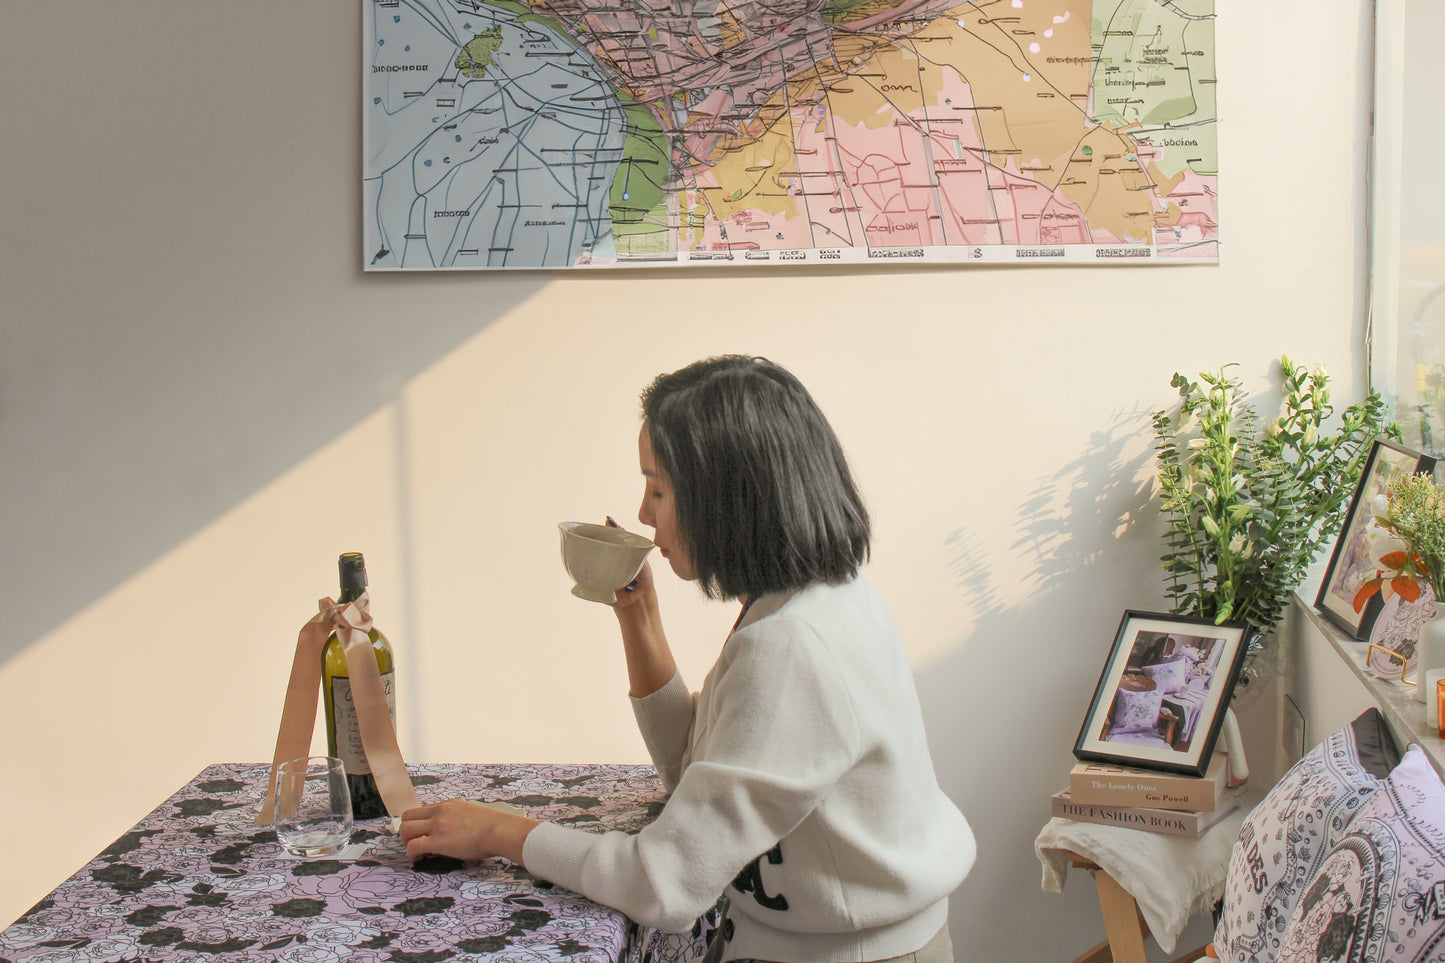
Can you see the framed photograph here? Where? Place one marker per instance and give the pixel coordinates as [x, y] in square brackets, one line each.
[1349, 562]
[1161, 698]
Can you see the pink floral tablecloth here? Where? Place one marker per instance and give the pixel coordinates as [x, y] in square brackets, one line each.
[195, 880]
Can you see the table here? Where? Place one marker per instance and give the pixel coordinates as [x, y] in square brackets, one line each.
[195, 880]
[1162, 879]
[1123, 922]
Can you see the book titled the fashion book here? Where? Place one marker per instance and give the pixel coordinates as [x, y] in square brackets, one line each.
[1171, 821]
[1106, 784]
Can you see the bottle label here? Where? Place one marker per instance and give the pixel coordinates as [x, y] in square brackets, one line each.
[348, 731]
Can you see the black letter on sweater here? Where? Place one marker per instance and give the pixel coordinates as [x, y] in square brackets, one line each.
[750, 880]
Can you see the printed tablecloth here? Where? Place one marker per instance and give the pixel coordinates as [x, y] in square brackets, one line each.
[195, 880]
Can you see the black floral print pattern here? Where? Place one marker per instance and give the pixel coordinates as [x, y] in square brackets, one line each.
[195, 880]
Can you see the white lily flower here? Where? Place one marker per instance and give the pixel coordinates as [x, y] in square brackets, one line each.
[1379, 543]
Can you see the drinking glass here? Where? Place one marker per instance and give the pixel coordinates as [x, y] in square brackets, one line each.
[313, 807]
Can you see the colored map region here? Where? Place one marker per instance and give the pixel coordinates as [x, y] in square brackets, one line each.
[615, 133]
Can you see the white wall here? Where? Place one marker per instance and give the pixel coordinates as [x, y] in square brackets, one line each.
[203, 400]
[1323, 687]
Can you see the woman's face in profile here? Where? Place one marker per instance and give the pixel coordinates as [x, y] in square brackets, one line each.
[659, 511]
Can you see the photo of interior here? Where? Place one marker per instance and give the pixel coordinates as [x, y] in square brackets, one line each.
[1163, 687]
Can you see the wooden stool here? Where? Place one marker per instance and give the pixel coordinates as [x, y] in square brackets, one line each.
[1126, 928]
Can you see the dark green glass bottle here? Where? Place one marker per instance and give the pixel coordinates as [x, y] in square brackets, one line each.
[343, 736]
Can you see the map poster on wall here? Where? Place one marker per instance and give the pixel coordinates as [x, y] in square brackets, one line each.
[647, 133]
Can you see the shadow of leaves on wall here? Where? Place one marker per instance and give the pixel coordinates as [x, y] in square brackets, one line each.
[1075, 518]
[1003, 709]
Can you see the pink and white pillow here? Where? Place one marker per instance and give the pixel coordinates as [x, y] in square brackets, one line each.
[1379, 895]
[1287, 836]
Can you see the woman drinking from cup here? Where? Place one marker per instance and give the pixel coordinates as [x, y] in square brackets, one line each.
[801, 784]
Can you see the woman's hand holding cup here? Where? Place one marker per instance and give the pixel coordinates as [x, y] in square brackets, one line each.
[640, 587]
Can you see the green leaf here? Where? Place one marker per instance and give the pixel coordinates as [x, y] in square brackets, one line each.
[1284, 494]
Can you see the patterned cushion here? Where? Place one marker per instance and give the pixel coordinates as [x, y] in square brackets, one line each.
[1286, 837]
[1380, 893]
[1169, 676]
[1136, 711]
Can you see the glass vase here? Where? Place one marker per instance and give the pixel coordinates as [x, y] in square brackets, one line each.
[1431, 649]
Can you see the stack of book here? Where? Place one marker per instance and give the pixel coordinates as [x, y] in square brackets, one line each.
[1156, 802]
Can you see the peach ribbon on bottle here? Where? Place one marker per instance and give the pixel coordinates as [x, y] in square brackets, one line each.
[352, 623]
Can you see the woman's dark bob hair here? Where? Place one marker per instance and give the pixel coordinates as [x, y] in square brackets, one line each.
[763, 495]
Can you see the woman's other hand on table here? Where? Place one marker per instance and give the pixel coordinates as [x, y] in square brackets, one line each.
[464, 830]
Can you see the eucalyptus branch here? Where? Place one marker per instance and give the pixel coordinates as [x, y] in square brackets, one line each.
[1248, 508]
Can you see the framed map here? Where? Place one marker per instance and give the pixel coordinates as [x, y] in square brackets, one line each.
[617, 133]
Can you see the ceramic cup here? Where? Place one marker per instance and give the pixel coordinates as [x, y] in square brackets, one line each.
[601, 559]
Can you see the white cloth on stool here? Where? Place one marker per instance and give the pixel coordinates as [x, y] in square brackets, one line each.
[1170, 877]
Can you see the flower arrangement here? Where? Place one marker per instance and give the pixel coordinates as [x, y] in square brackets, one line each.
[1248, 508]
[1406, 540]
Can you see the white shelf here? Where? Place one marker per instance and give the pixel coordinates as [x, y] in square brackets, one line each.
[1395, 699]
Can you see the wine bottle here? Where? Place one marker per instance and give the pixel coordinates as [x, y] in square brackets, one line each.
[343, 735]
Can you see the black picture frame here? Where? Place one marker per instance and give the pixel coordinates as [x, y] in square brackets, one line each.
[1348, 566]
[1162, 695]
